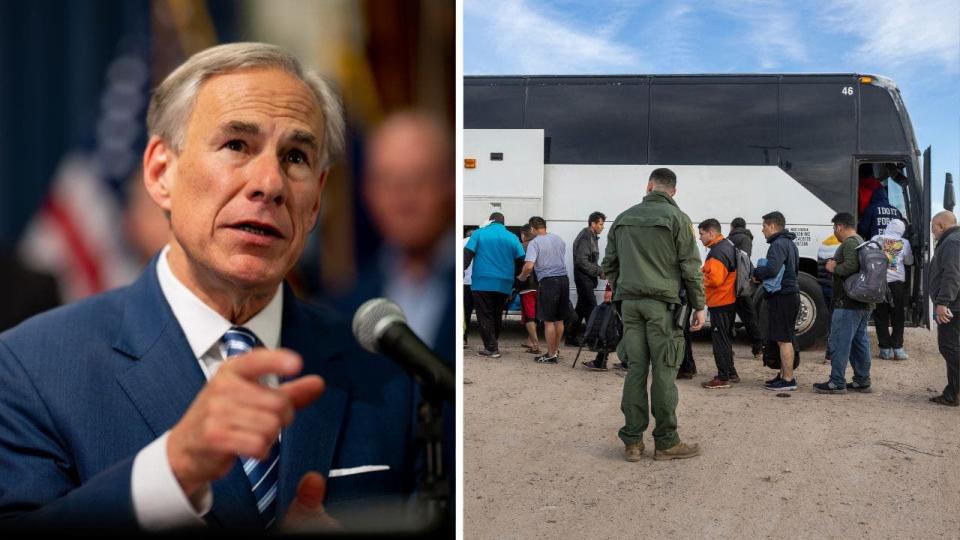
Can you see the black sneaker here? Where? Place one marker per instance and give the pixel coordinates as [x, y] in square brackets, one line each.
[734, 378]
[488, 354]
[771, 381]
[782, 385]
[828, 388]
[545, 359]
[595, 365]
[857, 387]
[685, 375]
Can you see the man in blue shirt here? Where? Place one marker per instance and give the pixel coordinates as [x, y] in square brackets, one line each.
[495, 253]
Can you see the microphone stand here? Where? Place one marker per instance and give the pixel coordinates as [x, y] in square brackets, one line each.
[434, 489]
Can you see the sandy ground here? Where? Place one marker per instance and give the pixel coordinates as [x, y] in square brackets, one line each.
[542, 458]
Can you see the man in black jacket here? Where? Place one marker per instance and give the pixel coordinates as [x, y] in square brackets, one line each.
[741, 237]
[945, 293]
[586, 275]
[784, 303]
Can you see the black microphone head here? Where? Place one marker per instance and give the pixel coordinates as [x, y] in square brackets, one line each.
[372, 319]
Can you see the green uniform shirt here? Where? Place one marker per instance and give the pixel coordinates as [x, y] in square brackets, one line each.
[652, 253]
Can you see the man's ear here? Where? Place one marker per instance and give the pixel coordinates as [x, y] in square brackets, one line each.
[159, 160]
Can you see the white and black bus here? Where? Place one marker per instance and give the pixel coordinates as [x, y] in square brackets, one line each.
[742, 145]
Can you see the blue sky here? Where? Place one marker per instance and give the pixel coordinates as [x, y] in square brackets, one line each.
[914, 42]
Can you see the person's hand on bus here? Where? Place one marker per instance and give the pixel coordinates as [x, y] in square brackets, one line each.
[698, 320]
[831, 265]
[944, 314]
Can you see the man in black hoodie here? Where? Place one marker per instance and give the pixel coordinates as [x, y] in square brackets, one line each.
[743, 239]
[945, 294]
[784, 303]
[877, 215]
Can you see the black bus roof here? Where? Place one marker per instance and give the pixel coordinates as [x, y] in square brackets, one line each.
[722, 78]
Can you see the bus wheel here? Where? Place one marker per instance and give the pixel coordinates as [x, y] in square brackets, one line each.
[812, 317]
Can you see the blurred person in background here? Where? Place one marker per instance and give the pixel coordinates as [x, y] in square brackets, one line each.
[410, 194]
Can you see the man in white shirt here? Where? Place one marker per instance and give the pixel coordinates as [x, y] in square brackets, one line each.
[170, 403]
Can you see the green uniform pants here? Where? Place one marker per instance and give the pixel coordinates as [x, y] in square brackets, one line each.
[653, 344]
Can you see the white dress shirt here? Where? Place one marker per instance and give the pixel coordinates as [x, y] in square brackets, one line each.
[158, 500]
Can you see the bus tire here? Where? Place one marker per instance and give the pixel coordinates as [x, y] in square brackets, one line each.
[812, 317]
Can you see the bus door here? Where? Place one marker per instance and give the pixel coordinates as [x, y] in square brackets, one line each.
[898, 176]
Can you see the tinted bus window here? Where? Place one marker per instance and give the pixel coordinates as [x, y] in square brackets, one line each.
[713, 124]
[880, 127]
[818, 133]
[602, 122]
[493, 104]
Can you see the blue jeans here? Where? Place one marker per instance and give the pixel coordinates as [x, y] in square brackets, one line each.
[848, 340]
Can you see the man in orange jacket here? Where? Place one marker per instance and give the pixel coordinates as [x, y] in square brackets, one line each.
[719, 282]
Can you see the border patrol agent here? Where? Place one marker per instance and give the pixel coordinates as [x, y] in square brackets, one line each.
[651, 253]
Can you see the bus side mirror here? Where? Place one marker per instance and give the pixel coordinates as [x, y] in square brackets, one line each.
[949, 200]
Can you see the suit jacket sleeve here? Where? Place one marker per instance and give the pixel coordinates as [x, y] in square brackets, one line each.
[39, 485]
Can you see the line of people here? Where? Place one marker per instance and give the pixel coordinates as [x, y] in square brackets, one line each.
[651, 252]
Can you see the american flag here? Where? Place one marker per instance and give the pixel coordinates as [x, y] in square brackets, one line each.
[76, 233]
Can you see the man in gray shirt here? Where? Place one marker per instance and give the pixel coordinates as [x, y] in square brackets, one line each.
[545, 255]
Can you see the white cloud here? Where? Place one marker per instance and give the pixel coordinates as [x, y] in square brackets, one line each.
[528, 40]
[900, 32]
[772, 30]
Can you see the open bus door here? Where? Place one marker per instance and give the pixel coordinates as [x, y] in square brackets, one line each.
[921, 304]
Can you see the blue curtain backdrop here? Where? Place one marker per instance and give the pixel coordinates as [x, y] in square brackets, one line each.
[54, 57]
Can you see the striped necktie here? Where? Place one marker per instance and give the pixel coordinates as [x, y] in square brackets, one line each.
[263, 475]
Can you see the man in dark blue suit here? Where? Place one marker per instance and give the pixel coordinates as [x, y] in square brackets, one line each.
[206, 393]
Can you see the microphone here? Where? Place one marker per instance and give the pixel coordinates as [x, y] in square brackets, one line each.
[380, 327]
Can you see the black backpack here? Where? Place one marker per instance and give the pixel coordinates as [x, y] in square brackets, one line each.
[771, 354]
[604, 329]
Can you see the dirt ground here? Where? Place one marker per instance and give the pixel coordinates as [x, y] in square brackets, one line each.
[542, 458]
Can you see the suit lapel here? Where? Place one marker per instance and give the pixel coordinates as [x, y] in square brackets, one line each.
[164, 380]
[309, 444]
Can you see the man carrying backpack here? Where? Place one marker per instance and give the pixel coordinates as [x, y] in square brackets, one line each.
[782, 292]
[719, 281]
[848, 324]
[741, 237]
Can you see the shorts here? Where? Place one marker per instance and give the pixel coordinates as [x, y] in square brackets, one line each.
[782, 310]
[528, 306]
[553, 299]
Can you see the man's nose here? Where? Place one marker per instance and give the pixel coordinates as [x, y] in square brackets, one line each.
[266, 182]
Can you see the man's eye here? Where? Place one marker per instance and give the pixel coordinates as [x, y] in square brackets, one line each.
[236, 145]
[297, 157]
